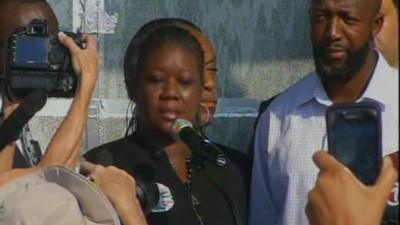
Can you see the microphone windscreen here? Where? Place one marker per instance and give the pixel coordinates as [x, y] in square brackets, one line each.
[178, 125]
[148, 195]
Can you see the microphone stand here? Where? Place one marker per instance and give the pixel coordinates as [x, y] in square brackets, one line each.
[198, 163]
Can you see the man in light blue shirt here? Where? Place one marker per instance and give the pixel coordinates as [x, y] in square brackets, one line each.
[348, 69]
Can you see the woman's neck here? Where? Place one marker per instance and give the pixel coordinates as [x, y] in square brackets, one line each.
[151, 140]
[176, 151]
[177, 155]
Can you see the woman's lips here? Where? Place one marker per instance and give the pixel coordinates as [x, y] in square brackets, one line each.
[169, 115]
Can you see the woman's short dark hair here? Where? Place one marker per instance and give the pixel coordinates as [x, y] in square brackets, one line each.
[148, 38]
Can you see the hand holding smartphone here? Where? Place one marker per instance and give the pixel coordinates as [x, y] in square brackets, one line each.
[354, 138]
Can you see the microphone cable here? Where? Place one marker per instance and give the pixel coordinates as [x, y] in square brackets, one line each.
[232, 207]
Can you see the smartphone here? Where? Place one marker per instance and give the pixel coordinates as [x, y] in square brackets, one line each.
[354, 138]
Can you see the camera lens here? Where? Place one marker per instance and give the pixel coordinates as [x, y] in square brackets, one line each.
[36, 29]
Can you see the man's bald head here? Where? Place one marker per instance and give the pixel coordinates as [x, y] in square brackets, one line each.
[374, 5]
[6, 5]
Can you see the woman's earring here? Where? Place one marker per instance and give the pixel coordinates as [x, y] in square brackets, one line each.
[204, 115]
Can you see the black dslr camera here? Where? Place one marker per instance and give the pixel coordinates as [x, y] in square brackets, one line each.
[37, 60]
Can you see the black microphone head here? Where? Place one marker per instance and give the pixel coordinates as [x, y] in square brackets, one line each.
[178, 125]
[148, 195]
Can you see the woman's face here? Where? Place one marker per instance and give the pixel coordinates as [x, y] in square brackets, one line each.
[387, 39]
[209, 95]
[169, 87]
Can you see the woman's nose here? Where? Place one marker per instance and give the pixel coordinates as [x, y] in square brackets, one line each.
[170, 90]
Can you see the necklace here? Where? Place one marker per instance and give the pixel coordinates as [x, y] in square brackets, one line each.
[191, 197]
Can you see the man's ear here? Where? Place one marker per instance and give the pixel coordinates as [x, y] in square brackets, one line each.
[377, 24]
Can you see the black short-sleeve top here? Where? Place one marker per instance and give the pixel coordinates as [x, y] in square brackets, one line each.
[209, 208]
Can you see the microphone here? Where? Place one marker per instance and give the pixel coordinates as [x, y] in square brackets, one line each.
[183, 130]
[154, 197]
[148, 195]
[12, 126]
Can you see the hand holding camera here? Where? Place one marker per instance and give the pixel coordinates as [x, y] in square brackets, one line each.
[58, 65]
[84, 61]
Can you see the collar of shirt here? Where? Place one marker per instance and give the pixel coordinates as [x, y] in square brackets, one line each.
[373, 92]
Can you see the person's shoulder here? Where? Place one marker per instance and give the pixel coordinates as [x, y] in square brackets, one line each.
[385, 77]
[109, 151]
[234, 154]
[109, 146]
[394, 74]
[294, 95]
[236, 176]
[238, 161]
[394, 77]
[264, 105]
[386, 73]
[297, 91]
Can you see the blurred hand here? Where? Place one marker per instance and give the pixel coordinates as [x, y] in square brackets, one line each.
[120, 188]
[339, 198]
[118, 185]
[85, 62]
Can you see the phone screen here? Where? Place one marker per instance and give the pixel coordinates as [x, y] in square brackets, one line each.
[354, 139]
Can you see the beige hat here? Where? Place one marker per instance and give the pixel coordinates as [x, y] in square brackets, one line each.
[42, 199]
